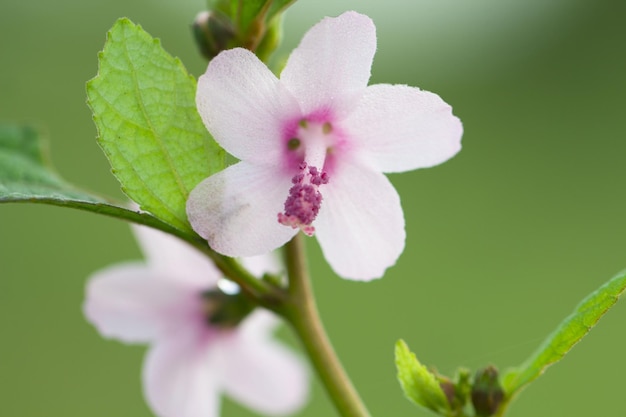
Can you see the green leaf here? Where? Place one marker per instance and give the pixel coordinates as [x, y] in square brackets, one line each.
[25, 173]
[418, 383]
[143, 101]
[26, 177]
[571, 330]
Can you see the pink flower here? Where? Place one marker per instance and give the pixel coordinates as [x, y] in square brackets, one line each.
[313, 146]
[165, 302]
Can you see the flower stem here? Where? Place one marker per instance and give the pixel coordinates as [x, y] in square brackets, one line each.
[504, 405]
[302, 313]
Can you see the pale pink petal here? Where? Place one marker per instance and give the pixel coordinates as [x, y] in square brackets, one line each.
[360, 226]
[330, 68]
[180, 380]
[262, 373]
[399, 128]
[259, 324]
[176, 259]
[236, 209]
[262, 264]
[135, 304]
[244, 106]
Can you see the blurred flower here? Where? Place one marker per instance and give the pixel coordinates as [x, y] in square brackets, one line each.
[313, 148]
[172, 302]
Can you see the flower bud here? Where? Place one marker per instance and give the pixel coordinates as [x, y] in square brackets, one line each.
[271, 39]
[213, 32]
[457, 392]
[449, 390]
[487, 394]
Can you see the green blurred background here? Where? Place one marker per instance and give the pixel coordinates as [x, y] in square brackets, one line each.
[503, 240]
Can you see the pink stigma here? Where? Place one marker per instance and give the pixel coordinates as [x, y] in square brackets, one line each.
[304, 199]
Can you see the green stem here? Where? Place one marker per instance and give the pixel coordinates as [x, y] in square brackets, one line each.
[302, 313]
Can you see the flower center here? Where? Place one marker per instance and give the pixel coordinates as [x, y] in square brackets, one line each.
[224, 306]
[311, 145]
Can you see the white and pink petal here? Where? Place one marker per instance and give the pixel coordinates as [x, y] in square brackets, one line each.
[261, 372]
[175, 259]
[331, 66]
[258, 325]
[180, 379]
[244, 106]
[360, 226]
[399, 128]
[236, 209]
[262, 264]
[136, 304]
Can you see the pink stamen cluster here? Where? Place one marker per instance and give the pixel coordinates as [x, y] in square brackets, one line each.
[304, 200]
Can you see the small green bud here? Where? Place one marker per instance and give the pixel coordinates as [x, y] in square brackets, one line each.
[449, 390]
[213, 32]
[457, 392]
[487, 394]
